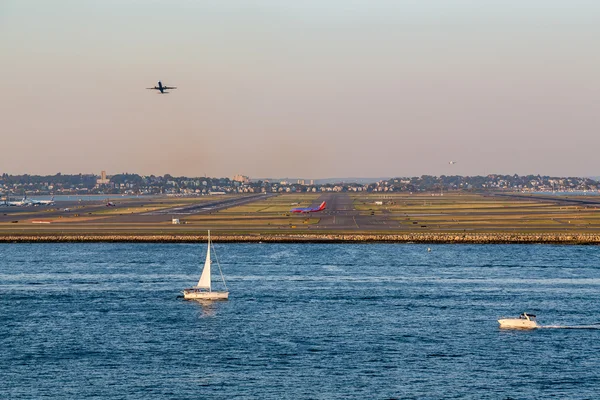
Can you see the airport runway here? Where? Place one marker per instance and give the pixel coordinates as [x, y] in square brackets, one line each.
[71, 208]
[340, 214]
[212, 206]
[59, 209]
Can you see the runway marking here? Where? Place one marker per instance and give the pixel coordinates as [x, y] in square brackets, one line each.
[354, 218]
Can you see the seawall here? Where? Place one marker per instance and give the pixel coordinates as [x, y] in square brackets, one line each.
[506, 238]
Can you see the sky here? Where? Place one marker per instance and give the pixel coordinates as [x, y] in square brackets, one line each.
[309, 89]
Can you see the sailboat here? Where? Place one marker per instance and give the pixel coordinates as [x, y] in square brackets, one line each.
[203, 290]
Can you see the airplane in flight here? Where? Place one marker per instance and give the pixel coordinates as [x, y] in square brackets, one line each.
[309, 209]
[452, 162]
[162, 88]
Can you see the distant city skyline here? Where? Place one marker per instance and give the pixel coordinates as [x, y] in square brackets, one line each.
[105, 177]
[312, 89]
[133, 184]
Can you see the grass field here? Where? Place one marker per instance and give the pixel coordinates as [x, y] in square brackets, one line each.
[464, 212]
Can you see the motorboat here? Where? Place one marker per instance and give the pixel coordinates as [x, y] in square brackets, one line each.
[525, 321]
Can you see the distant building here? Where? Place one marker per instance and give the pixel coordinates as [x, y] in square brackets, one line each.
[103, 180]
[240, 178]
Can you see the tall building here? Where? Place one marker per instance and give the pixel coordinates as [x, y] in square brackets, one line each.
[240, 178]
[103, 180]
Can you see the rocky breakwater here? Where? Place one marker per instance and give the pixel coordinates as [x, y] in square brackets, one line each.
[482, 238]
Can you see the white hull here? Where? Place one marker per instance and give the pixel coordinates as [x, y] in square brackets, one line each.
[192, 295]
[517, 323]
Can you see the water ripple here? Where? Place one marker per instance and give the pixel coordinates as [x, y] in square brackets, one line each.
[303, 321]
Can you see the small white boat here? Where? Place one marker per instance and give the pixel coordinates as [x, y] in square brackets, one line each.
[525, 321]
[203, 290]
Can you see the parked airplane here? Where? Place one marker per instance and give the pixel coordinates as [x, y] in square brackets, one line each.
[162, 88]
[40, 202]
[110, 204]
[309, 209]
[17, 203]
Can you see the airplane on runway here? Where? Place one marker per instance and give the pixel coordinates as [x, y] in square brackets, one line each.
[17, 203]
[40, 202]
[162, 88]
[309, 209]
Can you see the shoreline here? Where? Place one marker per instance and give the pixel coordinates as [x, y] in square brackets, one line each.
[445, 238]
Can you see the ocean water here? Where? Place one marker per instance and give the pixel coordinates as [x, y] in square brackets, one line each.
[87, 197]
[305, 321]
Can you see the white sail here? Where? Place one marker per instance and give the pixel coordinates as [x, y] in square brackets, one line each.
[204, 281]
[203, 290]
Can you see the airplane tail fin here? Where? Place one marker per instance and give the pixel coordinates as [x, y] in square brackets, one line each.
[322, 206]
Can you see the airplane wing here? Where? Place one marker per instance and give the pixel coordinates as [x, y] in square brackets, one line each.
[169, 87]
[152, 88]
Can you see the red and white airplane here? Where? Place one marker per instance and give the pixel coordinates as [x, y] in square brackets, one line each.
[309, 209]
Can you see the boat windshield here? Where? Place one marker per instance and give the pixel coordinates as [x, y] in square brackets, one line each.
[526, 316]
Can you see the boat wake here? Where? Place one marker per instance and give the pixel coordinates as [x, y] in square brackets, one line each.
[596, 326]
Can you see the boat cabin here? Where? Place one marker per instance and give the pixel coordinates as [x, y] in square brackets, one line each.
[526, 316]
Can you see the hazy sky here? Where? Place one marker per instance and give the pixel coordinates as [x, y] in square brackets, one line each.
[311, 88]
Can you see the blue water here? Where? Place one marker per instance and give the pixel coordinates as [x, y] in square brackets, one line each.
[303, 321]
[87, 197]
[572, 193]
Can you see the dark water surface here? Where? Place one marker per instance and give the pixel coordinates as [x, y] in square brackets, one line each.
[303, 321]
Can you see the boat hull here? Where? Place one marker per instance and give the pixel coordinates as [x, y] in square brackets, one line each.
[205, 295]
[517, 323]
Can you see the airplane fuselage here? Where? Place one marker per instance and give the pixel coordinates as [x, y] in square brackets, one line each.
[16, 203]
[39, 202]
[309, 209]
[161, 88]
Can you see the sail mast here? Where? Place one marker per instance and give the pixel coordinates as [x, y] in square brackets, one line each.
[204, 281]
[220, 271]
